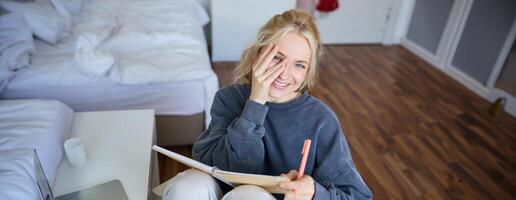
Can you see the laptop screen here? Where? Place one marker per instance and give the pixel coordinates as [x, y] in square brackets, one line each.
[41, 179]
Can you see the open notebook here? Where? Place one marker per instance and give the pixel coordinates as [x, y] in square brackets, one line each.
[232, 178]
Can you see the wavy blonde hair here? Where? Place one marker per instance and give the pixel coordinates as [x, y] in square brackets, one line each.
[291, 21]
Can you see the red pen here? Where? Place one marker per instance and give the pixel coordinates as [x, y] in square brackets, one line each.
[304, 152]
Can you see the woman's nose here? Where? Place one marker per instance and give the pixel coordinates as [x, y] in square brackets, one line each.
[285, 74]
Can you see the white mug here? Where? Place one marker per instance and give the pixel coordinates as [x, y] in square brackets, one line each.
[75, 152]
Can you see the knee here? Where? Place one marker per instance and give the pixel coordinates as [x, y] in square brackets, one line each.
[192, 184]
[250, 192]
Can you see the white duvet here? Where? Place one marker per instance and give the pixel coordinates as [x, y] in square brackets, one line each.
[124, 41]
[140, 42]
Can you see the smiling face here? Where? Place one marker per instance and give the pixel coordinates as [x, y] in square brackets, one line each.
[297, 49]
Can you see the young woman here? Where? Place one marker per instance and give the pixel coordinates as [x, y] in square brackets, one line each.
[259, 124]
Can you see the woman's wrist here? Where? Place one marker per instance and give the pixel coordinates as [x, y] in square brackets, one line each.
[258, 99]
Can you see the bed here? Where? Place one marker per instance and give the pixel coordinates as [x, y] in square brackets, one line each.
[127, 54]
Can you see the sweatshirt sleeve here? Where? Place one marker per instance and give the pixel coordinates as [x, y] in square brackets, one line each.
[233, 140]
[335, 174]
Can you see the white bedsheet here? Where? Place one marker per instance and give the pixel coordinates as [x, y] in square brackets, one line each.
[36, 124]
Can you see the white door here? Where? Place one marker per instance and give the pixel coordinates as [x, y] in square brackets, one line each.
[355, 21]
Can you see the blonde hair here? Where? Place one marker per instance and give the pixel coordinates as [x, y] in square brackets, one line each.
[291, 21]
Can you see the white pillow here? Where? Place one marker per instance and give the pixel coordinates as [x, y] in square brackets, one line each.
[46, 23]
[16, 43]
[43, 125]
[61, 8]
[67, 7]
[5, 77]
[204, 17]
[17, 175]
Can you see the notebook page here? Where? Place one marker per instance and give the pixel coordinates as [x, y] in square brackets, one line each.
[267, 182]
[183, 159]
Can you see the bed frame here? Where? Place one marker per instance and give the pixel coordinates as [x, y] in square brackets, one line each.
[175, 130]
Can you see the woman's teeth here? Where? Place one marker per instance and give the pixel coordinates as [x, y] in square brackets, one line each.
[280, 84]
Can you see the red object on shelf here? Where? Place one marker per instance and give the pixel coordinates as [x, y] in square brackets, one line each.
[327, 5]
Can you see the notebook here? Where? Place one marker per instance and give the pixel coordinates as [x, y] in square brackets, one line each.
[234, 179]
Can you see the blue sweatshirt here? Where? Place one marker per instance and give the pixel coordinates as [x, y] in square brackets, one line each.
[249, 137]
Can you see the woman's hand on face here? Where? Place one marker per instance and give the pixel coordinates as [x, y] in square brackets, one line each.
[303, 188]
[263, 75]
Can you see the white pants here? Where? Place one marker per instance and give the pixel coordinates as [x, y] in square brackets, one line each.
[197, 185]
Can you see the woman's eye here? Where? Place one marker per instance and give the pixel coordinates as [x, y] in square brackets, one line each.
[276, 59]
[300, 66]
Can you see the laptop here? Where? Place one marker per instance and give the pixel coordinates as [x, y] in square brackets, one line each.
[112, 190]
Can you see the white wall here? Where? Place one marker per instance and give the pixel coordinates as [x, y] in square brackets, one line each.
[355, 21]
[361, 19]
[235, 24]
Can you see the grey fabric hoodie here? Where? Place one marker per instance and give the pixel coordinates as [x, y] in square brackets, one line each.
[245, 136]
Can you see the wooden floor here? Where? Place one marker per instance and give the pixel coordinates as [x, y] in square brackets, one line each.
[414, 132]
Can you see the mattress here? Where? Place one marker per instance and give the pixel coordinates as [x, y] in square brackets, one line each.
[176, 98]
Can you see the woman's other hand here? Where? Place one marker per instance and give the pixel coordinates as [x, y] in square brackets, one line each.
[264, 73]
[300, 189]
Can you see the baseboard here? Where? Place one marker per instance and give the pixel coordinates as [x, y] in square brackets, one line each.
[419, 51]
[469, 82]
[510, 105]
[451, 71]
